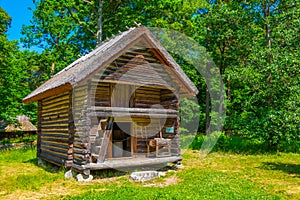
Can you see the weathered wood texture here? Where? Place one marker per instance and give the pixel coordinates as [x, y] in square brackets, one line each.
[139, 66]
[39, 131]
[131, 163]
[54, 133]
[128, 96]
[169, 99]
[81, 100]
[100, 93]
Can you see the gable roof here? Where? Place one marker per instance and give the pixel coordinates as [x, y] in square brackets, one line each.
[84, 67]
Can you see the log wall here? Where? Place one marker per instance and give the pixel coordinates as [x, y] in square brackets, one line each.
[54, 131]
[168, 99]
[81, 100]
[146, 97]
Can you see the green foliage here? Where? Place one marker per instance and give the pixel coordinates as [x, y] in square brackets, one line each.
[236, 144]
[5, 21]
[255, 46]
[268, 98]
[14, 83]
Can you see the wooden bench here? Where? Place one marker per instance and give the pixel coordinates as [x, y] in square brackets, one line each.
[159, 144]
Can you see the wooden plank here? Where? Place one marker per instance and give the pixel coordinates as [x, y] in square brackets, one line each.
[77, 162]
[58, 95]
[56, 144]
[55, 149]
[56, 100]
[133, 110]
[55, 126]
[64, 135]
[51, 159]
[79, 159]
[109, 148]
[56, 154]
[54, 131]
[105, 141]
[80, 144]
[71, 130]
[54, 112]
[124, 114]
[39, 131]
[56, 108]
[58, 103]
[80, 98]
[104, 104]
[61, 140]
[59, 121]
[80, 151]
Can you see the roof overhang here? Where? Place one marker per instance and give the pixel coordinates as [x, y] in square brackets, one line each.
[86, 66]
[49, 93]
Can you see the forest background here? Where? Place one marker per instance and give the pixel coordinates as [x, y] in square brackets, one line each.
[253, 43]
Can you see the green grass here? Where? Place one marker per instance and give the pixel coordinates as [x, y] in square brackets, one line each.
[19, 172]
[217, 176]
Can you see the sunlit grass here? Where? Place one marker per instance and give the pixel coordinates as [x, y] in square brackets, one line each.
[216, 176]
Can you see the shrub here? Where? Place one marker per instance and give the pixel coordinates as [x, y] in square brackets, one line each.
[239, 144]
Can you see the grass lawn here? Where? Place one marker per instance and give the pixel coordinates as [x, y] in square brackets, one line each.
[217, 176]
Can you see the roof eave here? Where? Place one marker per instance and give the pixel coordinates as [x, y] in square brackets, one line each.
[47, 93]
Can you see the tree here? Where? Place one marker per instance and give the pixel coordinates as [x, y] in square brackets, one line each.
[221, 27]
[13, 75]
[271, 111]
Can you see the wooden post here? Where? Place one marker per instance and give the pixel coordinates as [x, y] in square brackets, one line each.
[39, 128]
[71, 132]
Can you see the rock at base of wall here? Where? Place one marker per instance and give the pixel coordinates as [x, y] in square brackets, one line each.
[81, 178]
[179, 167]
[144, 175]
[69, 174]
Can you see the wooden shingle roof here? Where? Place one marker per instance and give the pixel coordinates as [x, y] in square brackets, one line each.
[87, 65]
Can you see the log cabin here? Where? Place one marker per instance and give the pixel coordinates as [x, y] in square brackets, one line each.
[116, 107]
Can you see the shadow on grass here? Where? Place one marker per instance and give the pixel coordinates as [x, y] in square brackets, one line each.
[288, 168]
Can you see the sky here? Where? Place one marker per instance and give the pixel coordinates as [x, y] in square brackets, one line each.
[18, 10]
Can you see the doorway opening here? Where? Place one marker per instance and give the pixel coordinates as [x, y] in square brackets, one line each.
[121, 140]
